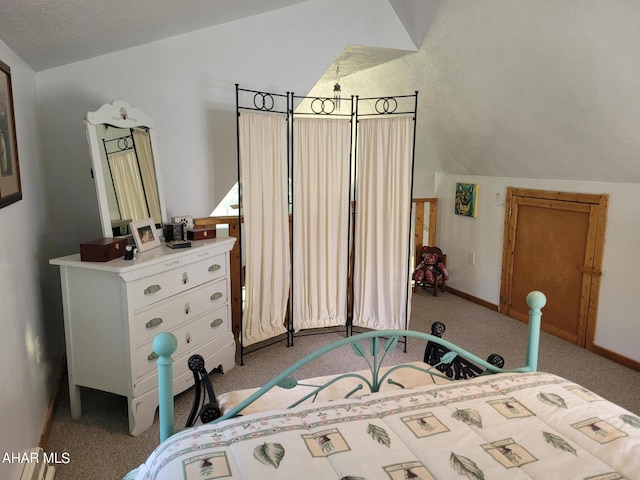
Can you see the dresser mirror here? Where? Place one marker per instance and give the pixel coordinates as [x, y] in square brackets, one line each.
[124, 156]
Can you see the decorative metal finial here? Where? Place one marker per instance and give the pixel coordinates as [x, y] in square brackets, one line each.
[337, 90]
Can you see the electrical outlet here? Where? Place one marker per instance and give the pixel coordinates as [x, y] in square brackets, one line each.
[186, 220]
[471, 258]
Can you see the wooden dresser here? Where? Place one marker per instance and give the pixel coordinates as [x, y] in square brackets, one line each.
[112, 311]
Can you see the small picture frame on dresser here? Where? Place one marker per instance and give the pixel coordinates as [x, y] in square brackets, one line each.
[145, 235]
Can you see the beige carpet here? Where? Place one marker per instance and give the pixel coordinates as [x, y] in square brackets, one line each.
[100, 448]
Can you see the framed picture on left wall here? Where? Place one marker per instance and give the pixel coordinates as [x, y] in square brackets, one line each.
[10, 187]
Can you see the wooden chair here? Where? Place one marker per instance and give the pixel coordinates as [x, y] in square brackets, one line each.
[439, 276]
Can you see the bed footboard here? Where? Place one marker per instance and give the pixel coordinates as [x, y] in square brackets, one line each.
[380, 344]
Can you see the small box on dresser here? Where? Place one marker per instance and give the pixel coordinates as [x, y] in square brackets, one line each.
[103, 249]
[173, 231]
[201, 233]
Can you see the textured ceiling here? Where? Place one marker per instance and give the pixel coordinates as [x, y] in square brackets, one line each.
[50, 33]
[548, 99]
[47, 33]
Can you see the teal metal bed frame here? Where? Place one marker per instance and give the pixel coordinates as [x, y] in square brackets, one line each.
[165, 345]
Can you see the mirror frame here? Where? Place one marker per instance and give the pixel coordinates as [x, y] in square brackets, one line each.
[119, 114]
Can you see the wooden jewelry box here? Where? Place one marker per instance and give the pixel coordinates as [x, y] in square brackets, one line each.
[201, 233]
[103, 249]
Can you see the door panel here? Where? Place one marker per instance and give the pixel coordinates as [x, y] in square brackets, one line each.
[551, 247]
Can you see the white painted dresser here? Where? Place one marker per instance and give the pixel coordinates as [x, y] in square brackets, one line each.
[112, 311]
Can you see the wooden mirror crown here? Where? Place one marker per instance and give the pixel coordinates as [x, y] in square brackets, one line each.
[124, 155]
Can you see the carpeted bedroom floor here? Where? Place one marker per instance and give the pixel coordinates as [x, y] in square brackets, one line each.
[100, 448]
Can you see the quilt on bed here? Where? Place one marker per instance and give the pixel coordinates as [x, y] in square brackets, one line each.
[506, 426]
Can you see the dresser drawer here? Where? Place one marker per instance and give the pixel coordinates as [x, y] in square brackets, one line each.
[169, 313]
[202, 329]
[179, 278]
[219, 352]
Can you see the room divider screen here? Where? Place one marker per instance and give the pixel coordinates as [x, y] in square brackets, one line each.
[325, 187]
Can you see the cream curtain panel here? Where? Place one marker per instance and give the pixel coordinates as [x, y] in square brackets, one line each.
[264, 174]
[148, 173]
[321, 164]
[382, 229]
[128, 186]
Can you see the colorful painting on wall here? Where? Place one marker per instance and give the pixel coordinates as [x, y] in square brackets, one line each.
[466, 199]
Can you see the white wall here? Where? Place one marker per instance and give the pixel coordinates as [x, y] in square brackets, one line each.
[187, 84]
[617, 327]
[24, 383]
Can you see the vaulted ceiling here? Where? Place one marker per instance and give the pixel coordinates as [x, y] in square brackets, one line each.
[48, 34]
[520, 89]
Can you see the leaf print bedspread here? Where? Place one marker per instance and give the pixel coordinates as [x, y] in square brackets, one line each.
[505, 426]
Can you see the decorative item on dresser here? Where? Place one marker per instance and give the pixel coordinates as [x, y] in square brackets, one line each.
[173, 231]
[201, 233]
[112, 311]
[145, 235]
[103, 249]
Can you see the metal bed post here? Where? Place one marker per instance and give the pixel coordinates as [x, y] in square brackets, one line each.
[165, 344]
[536, 300]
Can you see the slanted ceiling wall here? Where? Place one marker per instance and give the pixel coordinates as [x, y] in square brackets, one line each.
[520, 89]
[542, 95]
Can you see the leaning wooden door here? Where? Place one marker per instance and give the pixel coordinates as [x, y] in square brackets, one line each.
[554, 243]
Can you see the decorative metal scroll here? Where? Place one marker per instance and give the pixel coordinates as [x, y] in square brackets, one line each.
[374, 359]
[391, 105]
[440, 362]
[376, 353]
[322, 106]
[262, 101]
[458, 368]
[446, 361]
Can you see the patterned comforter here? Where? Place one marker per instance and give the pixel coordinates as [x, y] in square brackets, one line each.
[505, 426]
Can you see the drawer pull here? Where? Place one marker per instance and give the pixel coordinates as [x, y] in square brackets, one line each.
[152, 356]
[216, 296]
[152, 289]
[217, 322]
[215, 267]
[154, 322]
